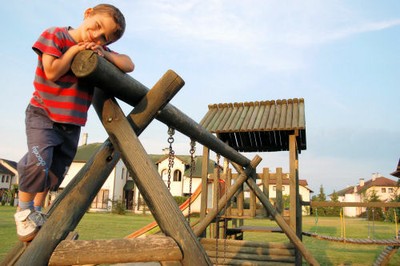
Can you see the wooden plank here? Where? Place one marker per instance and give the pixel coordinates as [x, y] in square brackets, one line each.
[253, 118]
[302, 122]
[260, 114]
[83, 252]
[225, 117]
[247, 119]
[256, 229]
[212, 110]
[213, 123]
[265, 115]
[228, 125]
[289, 115]
[295, 122]
[277, 117]
[282, 120]
[246, 243]
[271, 117]
[243, 109]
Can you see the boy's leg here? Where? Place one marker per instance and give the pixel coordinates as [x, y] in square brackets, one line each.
[38, 201]
[33, 171]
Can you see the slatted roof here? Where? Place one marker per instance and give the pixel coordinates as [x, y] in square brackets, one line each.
[260, 126]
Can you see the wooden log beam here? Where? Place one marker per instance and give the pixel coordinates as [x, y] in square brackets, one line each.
[101, 73]
[157, 196]
[70, 206]
[81, 252]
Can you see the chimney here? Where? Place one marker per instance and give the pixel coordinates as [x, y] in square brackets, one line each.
[84, 138]
[165, 151]
[361, 182]
[374, 176]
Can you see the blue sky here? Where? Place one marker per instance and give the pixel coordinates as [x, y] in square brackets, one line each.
[342, 57]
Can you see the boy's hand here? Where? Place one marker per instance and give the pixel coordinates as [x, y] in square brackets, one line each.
[94, 47]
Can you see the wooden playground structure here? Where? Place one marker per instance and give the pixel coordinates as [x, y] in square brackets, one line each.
[255, 127]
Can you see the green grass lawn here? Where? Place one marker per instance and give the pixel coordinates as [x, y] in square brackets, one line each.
[108, 226]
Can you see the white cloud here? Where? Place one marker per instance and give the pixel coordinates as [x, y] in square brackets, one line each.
[277, 36]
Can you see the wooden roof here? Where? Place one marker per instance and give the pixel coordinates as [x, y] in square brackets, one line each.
[258, 126]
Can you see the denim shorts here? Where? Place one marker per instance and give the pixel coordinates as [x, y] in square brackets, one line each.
[51, 149]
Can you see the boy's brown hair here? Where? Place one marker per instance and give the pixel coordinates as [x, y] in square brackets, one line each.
[116, 14]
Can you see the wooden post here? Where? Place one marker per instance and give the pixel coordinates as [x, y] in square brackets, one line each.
[157, 196]
[278, 190]
[72, 204]
[266, 177]
[295, 206]
[204, 184]
[98, 71]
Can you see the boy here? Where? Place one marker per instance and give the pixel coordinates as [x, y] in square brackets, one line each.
[59, 108]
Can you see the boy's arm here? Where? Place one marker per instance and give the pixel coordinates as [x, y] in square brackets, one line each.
[54, 67]
[121, 61]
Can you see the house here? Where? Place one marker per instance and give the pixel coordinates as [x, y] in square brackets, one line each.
[383, 187]
[120, 187]
[304, 191]
[8, 177]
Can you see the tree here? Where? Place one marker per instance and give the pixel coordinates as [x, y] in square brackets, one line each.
[334, 211]
[374, 214]
[321, 196]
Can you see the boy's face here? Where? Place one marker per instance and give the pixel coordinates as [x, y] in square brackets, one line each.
[98, 28]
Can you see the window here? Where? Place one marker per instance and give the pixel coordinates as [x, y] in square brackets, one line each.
[164, 174]
[390, 190]
[177, 176]
[2, 178]
[100, 202]
[383, 190]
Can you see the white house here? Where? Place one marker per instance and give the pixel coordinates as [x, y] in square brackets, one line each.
[383, 187]
[120, 186]
[8, 178]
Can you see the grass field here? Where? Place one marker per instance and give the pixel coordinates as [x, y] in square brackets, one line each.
[108, 226]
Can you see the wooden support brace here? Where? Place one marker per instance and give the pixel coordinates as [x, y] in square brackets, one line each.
[81, 252]
[159, 200]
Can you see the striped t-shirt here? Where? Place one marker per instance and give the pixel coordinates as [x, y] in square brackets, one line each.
[65, 100]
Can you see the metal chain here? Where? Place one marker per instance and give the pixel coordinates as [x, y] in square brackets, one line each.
[171, 156]
[192, 170]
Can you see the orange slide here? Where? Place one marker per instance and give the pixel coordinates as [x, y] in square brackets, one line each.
[183, 207]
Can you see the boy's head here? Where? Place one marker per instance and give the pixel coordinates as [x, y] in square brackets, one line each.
[114, 13]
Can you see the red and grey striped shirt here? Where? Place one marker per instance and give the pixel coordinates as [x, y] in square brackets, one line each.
[65, 100]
